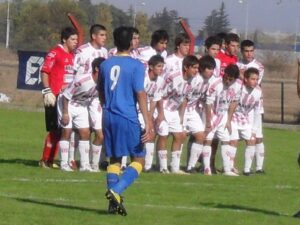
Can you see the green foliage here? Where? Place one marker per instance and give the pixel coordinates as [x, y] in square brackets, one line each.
[104, 17]
[31, 195]
[167, 20]
[142, 26]
[217, 21]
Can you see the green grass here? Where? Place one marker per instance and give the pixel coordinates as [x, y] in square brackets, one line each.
[31, 195]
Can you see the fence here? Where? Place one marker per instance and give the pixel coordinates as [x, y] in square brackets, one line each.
[281, 101]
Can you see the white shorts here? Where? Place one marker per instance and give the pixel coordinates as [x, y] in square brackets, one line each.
[78, 114]
[192, 122]
[141, 119]
[171, 124]
[259, 132]
[238, 133]
[95, 113]
[219, 131]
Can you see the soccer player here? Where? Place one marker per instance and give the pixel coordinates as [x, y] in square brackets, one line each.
[221, 100]
[57, 72]
[85, 54]
[243, 126]
[135, 42]
[121, 87]
[134, 53]
[231, 51]
[176, 88]
[248, 61]
[153, 88]
[73, 112]
[158, 46]
[174, 61]
[193, 121]
[212, 48]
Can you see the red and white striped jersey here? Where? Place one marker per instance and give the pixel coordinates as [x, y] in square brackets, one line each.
[173, 64]
[134, 53]
[84, 57]
[175, 90]
[217, 70]
[221, 96]
[153, 89]
[82, 90]
[198, 93]
[145, 53]
[254, 63]
[249, 103]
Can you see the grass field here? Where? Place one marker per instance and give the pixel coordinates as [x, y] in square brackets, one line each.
[31, 195]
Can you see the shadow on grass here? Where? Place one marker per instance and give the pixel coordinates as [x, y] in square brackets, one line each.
[26, 162]
[241, 208]
[40, 202]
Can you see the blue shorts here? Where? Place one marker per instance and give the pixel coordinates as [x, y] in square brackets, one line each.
[122, 137]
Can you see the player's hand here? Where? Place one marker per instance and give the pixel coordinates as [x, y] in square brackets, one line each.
[65, 119]
[228, 126]
[148, 133]
[49, 97]
[159, 119]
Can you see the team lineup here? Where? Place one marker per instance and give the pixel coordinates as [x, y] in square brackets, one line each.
[130, 99]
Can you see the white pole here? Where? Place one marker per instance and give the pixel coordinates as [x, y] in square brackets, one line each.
[246, 20]
[296, 34]
[7, 26]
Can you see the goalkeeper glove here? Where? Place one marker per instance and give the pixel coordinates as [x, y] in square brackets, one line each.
[49, 97]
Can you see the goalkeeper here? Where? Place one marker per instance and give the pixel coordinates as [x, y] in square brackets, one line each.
[57, 73]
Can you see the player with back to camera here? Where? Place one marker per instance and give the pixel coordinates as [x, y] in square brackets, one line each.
[121, 87]
[57, 72]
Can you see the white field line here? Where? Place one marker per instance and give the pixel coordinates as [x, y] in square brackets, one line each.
[206, 184]
[68, 201]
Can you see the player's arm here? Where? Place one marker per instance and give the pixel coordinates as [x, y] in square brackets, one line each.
[142, 101]
[181, 110]
[298, 78]
[65, 111]
[231, 110]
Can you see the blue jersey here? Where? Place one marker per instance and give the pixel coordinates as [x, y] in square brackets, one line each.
[121, 78]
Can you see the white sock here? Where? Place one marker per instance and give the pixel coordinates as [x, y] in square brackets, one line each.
[72, 147]
[249, 154]
[149, 155]
[232, 153]
[175, 160]
[206, 156]
[196, 150]
[225, 156]
[260, 155]
[64, 152]
[96, 151]
[163, 159]
[84, 149]
[124, 162]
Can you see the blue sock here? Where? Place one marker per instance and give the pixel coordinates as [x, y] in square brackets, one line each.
[130, 174]
[112, 176]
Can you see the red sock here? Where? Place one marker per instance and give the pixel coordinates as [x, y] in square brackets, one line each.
[47, 148]
[55, 137]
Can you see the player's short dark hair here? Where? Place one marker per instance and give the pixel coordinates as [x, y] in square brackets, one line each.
[221, 35]
[231, 37]
[207, 62]
[122, 38]
[96, 63]
[212, 40]
[96, 28]
[157, 36]
[250, 71]
[181, 38]
[189, 60]
[232, 70]
[66, 32]
[246, 43]
[135, 30]
[156, 59]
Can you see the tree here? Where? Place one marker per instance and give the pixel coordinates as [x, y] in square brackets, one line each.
[167, 20]
[142, 26]
[105, 18]
[217, 22]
